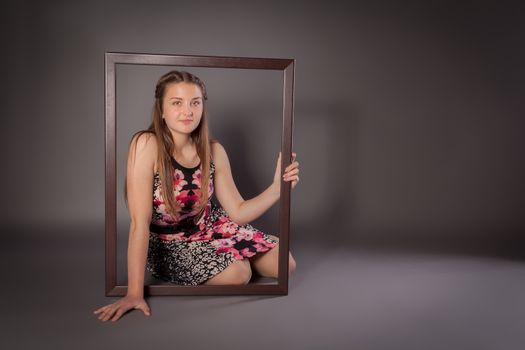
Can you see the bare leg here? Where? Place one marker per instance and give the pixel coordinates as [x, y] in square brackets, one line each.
[238, 272]
[267, 264]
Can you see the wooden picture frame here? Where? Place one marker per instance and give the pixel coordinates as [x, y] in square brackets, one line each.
[287, 66]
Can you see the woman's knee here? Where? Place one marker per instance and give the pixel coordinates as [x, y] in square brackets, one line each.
[292, 264]
[238, 272]
[243, 272]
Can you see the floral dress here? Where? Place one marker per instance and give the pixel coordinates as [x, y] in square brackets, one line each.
[188, 250]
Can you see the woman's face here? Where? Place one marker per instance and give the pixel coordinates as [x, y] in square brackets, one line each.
[182, 106]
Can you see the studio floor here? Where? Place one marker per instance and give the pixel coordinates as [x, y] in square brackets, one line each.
[350, 297]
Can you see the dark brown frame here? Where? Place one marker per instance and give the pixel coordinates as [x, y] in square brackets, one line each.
[288, 68]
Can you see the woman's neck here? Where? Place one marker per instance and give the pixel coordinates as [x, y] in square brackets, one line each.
[182, 142]
[184, 145]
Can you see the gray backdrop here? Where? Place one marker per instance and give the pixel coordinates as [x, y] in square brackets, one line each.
[408, 116]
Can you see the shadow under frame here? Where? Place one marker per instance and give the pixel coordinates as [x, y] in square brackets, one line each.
[287, 66]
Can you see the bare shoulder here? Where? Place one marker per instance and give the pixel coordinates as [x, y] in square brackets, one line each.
[143, 149]
[218, 154]
[217, 148]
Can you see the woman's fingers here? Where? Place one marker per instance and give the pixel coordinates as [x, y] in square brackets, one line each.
[119, 313]
[115, 313]
[290, 174]
[105, 315]
[100, 310]
[292, 166]
[115, 310]
[144, 309]
[108, 311]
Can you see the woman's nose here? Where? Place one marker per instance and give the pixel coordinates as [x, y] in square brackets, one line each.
[187, 110]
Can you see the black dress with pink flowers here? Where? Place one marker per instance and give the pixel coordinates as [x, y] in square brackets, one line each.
[189, 249]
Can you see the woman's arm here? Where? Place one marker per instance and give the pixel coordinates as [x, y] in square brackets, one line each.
[251, 209]
[239, 210]
[139, 187]
[140, 193]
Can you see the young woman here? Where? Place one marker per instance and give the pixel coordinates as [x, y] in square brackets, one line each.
[182, 236]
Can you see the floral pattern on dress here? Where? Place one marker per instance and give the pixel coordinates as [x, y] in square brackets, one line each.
[190, 249]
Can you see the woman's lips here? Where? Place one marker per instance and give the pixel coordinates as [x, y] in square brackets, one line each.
[186, 121]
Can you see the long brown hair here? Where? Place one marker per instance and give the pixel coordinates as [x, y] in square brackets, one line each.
[166, 146]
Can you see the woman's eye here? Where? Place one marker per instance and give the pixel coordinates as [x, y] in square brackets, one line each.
[196, 103]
